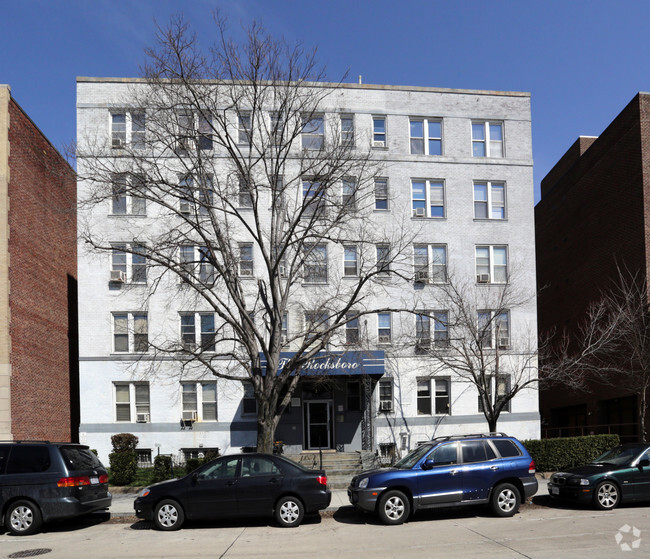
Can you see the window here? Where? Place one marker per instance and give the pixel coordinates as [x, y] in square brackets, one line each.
[381, 194]
[199, 401]
[316, 322]
[347, 130]
[491, 264]
[194, 130]
[476, 451]
[441, 328]
[244, 129]
[502, 391]
[285, 328]
[259, 466]
[354, 395]
[487, 139]
[132, 402]
[348, 194]
[422, 333]
[383, 328]
[506, 448]
[386, 395]
[379, 132]
[144, 457]
[189, 334]
[313, 194]
[245, 194]
[128, 127]
[445, 455]
[125, 199]
[193, 259]
[249, 402]
[277, 128]
[437, 255]
[195, 195]
[315, 264]
[313, 132]
[245, 259]
[489, 200]
[441, 403]
[350, 261]
[130, 263]
[494, 329]
[352, 328]
[428, 198]
[130, 333]
[426, 136]
[383, 259]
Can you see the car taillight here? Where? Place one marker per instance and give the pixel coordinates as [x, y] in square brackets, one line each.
[322, 480]
[73, 481]
[531, 467]
[103, 478]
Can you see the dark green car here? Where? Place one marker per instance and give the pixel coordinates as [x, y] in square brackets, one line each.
[622, 474]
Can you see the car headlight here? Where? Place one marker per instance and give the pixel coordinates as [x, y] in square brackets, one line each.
[578, 481]
[144, 492]
[363, 483]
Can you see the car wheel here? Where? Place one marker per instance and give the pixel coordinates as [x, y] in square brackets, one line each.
[23, 518]
[606, 495]
[168, 515]
[505, 500]
[289, 512]
[394, 507]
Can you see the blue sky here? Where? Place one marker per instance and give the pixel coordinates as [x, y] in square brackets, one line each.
[582, 60]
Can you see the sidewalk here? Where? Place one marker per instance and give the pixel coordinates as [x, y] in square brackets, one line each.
[123, 502]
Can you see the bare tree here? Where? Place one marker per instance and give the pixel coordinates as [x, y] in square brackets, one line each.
[473, 338]
[248, 184]
[612, 346]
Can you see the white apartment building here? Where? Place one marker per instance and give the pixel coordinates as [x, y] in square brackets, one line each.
[455, 166]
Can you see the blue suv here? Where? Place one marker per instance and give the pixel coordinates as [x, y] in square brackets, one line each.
[492, 469]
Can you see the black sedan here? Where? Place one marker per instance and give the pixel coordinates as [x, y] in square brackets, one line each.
[236, 485]
[622, 474]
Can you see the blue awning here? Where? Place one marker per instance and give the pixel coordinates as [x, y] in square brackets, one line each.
[337, 363]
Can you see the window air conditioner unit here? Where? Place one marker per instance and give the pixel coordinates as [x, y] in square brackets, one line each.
[245, 272]
[383, 339]
[189, 416]
[483, 278]
[420, 212]
[503, 343]
[422, 276]
[423, 343]
[386, 406]
[117, 142]
[118, 276]
[142, 418]
[282, 270]
[378, 144]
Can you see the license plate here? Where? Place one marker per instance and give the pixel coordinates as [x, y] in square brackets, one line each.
[555, 490]
[94, 480]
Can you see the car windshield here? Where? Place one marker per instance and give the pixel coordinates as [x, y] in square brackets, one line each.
[619, 456]
[413, 457]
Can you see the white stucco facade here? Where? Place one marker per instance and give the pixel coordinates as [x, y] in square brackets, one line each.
[459, 230]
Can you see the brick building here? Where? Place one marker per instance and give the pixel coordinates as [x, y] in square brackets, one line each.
[594, 215]
[38, 326]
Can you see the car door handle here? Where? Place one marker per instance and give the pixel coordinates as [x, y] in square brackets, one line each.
[232, 482]
[494, 468]
[274, 480]
[453, 472]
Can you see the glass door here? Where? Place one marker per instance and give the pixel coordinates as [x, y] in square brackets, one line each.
[319, 427]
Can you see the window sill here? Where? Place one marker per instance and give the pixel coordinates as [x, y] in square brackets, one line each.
[490, 219]
[126, 215]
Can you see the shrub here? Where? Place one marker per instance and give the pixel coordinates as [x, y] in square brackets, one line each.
[124, 466]
[552, 455]
[192, 464]
[124, 442]
[162, 468]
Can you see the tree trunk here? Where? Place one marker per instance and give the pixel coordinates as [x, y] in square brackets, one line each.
[492, 424]
[265, 434]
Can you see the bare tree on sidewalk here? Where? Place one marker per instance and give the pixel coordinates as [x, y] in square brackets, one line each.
[237, 190]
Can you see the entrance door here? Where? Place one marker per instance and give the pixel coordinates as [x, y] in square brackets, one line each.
[319, 425]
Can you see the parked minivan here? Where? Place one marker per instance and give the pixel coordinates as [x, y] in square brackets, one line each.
[42, 482]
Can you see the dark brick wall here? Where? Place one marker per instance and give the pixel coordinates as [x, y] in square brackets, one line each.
[591, 219]
[43, 266]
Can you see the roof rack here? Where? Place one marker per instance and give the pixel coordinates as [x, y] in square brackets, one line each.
[25, 441]
[469, 436]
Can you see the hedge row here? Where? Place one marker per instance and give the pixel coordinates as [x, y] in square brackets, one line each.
[552, 455]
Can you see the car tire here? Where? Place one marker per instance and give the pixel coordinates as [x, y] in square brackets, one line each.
[607, 495]
[505, 500]
[168, 515]
[23, 518]
[289, 512]
[393, 507]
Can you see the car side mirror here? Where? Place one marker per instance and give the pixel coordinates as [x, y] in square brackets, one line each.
[428, 464]
[643, 463]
